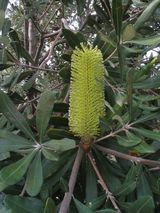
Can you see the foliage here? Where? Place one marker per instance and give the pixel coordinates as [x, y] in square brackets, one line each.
[42, 163]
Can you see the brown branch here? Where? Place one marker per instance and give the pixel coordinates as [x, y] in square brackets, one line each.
[48, 35]
[47, 9]
[103, 184]
[113, 134]
[37, 68]
[72, 181]
[53, 43]
[22, 107]
[36, 58]
[140, 160]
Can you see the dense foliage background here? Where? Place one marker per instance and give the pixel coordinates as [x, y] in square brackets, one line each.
[40, 158]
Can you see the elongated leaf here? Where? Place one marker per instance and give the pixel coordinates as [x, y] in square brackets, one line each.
[117, 16]
[13, 173]
[146, 14]
[3, 4]
[6, 27]
[80, 6]
[129, 32]
[145, 118]
[81, 207]
[34, 176]
[43, 112]
[105, 44]
[126, 188]
[2, 18]
[130, 92]
[50, 154]
[143, 204]
[97, 202]
[73, 39]
[9, 110]
[60, 145]
[144, 148]
[4, 155]
[106, 211]
[134, 173]
[143, 187]
[91, 183]
[129, 141]
[50, 206]
[152, 40]
[12, 142]
[23, 204]
[148, 133]
[54, 133]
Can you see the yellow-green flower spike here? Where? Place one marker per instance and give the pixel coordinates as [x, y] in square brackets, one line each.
[86, 92]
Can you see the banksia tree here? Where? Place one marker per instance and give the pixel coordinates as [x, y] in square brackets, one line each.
[86, 92]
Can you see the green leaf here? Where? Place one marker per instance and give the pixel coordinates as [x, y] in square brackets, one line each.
[12, 142]
[2, 18]
[3, 4]
[148, 133]
[50, 206]
[143, 187]
[23, 204]
[129, 141]
[73, 39]
[97, 202]
[60, 145]
[134, 173]
[148, 117]
[18, 48]
[91, 183]
[34, 176]
[126, 188]
[106, 211]
[43, 112]
[146, 14]
[117, 16]
[143, 204]
[130, 93]
[81, 207]
[152, 40]
[13, 173]
[54, 133]
[144, 148]
[105, 44]
[5, 29]
[59, 170]
[128, 33]
[50, 154]
[9, 110]
[80, 6]
[4, 156]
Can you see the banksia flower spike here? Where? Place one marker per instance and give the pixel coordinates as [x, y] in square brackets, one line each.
[86, 92]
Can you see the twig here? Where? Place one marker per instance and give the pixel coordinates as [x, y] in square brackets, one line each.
[48, 35]
[36, 58]
[23, 190]
[103, 184]
[113, 134]
[72, 181]
[47, 9]
[53, 43]
[21, 108]
[140, 160]
[37, 68]
[114, 51]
